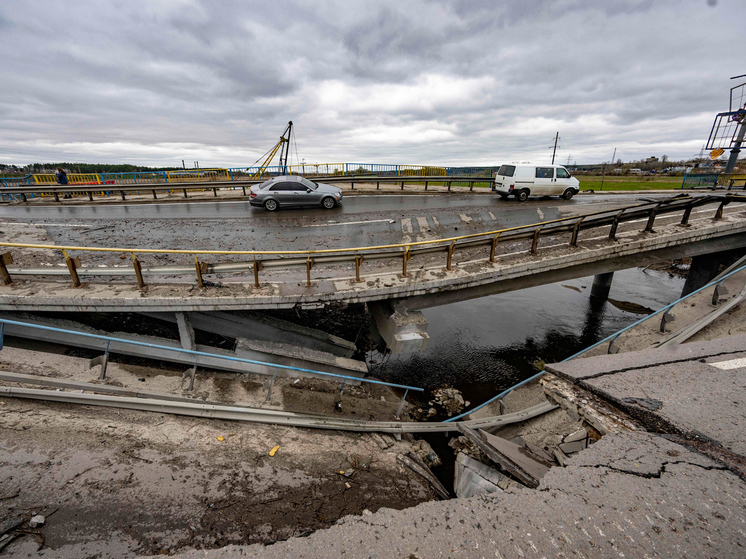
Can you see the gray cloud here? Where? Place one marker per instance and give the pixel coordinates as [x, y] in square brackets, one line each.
[427, 81]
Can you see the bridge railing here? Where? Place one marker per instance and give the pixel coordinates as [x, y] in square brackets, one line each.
[192, 183]
[261, 260]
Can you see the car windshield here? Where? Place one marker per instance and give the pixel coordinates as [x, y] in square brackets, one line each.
[506, 170]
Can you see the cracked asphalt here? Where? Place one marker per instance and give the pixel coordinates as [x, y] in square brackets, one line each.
[629, 495]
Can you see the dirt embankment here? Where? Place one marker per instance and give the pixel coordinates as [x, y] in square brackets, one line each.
[117, 483]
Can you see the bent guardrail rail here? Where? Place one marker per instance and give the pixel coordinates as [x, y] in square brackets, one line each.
[358, 255]
[197, 354]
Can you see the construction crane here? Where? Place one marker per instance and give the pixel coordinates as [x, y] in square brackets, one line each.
[283, 146]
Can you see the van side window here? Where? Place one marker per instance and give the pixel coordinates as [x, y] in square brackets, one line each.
[562, 173]
[544, 173]
[506, 170]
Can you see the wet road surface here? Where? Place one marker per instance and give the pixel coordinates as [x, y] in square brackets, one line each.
[362, 220]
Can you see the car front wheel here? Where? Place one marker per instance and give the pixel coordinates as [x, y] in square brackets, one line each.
[271, 205]
[569, 193]
[328, 202]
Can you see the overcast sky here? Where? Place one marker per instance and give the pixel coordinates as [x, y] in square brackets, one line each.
[445, 82]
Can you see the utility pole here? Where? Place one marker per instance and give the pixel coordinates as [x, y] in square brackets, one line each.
[556, 138]
[603, 173]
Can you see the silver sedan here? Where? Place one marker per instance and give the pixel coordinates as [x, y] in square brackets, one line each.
[292, 190]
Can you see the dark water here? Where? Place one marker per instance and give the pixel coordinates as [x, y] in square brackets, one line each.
[486, 345]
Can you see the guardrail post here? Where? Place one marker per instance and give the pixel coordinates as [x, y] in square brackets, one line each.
[243, 187]
[719, 212]
[685, 217]
[378, 185]
[665, 319]
[449, 185]
[215, 192]
[257, 267]
[90, 196]
[575, 232]
[402, 185]
[73, 264]
[200, 267]
[471, 186]
[401, 405]
[426, 186]
[651, 219]
[309, 265]
[102, 360]
[493, 248]
[185, 193]
[23, 196]
[138, 271]
[358, 262]
[5, 259]
[535, 242]
[405, 258]
[719, 291]
[451, 250]
[614, 226]
[121, 192]
[154, 196]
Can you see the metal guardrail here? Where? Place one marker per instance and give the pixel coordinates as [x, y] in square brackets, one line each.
[357, 255]
[89, 189]
[197, 354]
[712, 181]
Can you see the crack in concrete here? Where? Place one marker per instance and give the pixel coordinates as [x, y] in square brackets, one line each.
[640, 367]
[655, 475]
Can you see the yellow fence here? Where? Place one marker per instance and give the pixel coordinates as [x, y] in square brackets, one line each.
[74, 178]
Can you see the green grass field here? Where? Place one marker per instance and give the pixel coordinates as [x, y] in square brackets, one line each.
[629, 183]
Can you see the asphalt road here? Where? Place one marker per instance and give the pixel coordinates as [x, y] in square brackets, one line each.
[362, 220]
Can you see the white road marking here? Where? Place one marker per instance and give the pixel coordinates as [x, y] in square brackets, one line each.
[492, 216]
[730, 364]
[333, 223]
[53, 224]
[435, 221]
[424, 225]
[465, 218]
[406, 226]
[541, 214]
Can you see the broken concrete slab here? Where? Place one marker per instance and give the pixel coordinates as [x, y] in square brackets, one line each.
[472, 477]
[403, 332]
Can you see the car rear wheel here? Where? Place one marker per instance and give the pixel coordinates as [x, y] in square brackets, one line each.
[569, 193]
[328, 202]
[522, 195]
[271, 205]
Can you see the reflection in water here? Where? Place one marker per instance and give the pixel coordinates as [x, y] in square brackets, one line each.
[486, 345]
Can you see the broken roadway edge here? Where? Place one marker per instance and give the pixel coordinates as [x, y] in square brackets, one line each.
[629, 495]
[632, 494]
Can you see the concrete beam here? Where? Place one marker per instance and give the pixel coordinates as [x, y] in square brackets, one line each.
[256, 326]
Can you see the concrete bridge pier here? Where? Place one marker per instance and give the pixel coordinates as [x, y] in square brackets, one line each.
[705, 267]
[404, 331]
[602, 285]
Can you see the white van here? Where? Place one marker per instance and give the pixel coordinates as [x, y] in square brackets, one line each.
[523, 181]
